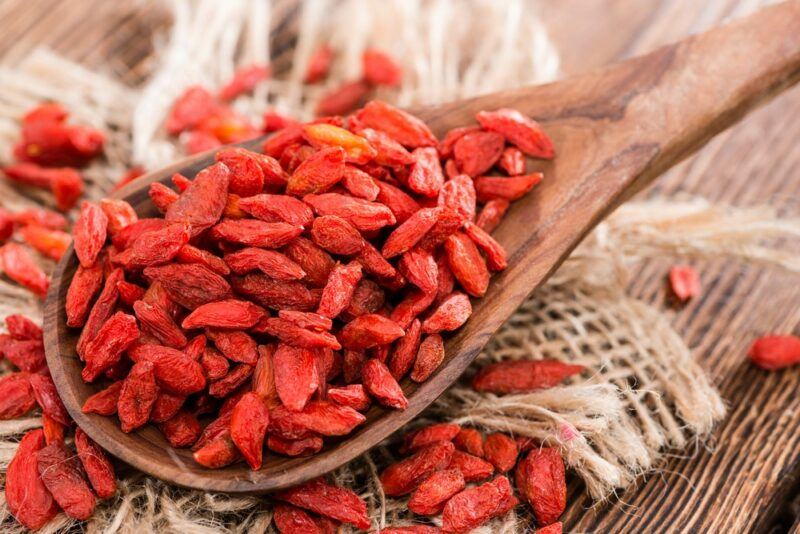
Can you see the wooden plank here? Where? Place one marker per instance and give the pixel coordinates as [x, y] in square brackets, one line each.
[744, 484]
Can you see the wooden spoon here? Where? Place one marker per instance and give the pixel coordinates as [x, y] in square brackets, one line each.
[615, 130]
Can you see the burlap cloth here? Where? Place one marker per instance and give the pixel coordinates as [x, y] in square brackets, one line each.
[643, 396]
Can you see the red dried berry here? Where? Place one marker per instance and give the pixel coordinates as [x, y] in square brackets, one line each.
[432, 495]
[90, 233]
[495, 253]
[47, 397]
[775, 352]
[217, 453]
[356, 149]
[331, 501]
[426, 177]
[20, 267]
[104, 402]
[318, 64]
[364, 215]
[428, 435]
[452, 312]
[61, 474]
[343, 99]
[244, 80]
[29, 501]
[50, 243]
[369, 330]
[519, 130]
[157, 322]
[194, 105]
[476, 152]
[249, 426]
[192, 254]
[294, 447]
[512, 161]
[175, 371]
[189, 285]
[542, 483]
[470, 441]
[137, 396]
[230, 313]
[476, 505]
[320, 417]
[405, 350]
[98, 467]
[380, 68]
[105, 349]
[522, 376]
[295, 376]
[403, 477]
[277, 294]
[339, 290]
[489, 188]
[16, 396]
[166, 406]
[501, 451]
[272, 263]
[203, 202]
[684, 281]
[467, 265]
[278, 208]
[429, 357]
[473, 468]
[399, 125]
[382, 386]
[354, 396]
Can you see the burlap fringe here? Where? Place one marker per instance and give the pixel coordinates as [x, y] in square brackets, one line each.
[644, 395]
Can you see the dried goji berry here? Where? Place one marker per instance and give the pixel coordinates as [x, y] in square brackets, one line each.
[158, 322]
[542, 483]
[292, 334]
[128, 235]
[295, 447]
[194, 105]
[50, 243]
[411, 529]
[427, 435]
[230, 313]
[356, 148]
[295, 375]
[364, 215]
[244, 80]
[432, 495]
[175, 371]
[215, 365]
[339, 290]
[684, 281]
[137, 396]
[320, 417]
[775, 352]
[256, 233]
[467, 265]
[405, 236]
[53, 430]
[403, 477]
[84, 286]
[476, 152]
[446, 145]
[382, 386]
[246, 175]
[157, 246]
[21, 327]
[226, 385]
[20, 267]
[90, 233]
[278, 208]
[419, 268]
[181, 430]
[63, 477]
[16, 396]
[65, 183]
[512, 188]
[426, 177]
[359, 184]
[475, 506]
[336, 235]
[29, 501]
[452, 312]
[512, 161]
[96, 464]
[166, 406]
[405, 350]
[278, 294]
[429, 357]
[399, 125]
[47, 397]
[369, 330]
[105, 349]
[492, 213]
[519, 130]
[203, 202]
[190, 285]
[380, 68]
[501, 451]
[470, 441]
[522, 376]
[101, 311]
[26, 354]
[472, 467]
[249, 422]
[342, 99]
[120, 214]
[318, 64]
[290, 519]
[495, 253]
[354, 396]
[219, 452]
[104, 402]
[331, 501]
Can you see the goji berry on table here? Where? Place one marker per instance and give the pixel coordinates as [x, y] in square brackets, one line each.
[318, 64]
[501, 451]
[522, 376]
[53, 430]
[96, 464]
[476, 505]
[473, 468]
[430, 434]
[432, 495]
[327, 500]
[16, 395]
[684, 282]
[541, 481]
[775, 352]
[28, 499]
[403, 477]
[244, 80]
[48, 242]
[63, 476]
[380, 68]
[470, 441]
[19, 266]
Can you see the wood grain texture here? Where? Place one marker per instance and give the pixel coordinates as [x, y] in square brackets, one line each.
[617, 129]
[756, 458]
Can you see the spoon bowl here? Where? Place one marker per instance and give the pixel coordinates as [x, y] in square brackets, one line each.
[615, 130]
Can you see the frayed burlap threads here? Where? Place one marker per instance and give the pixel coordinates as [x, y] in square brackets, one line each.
[642, 394]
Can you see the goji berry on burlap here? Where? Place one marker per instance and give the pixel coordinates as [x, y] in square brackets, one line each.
[28, 499]
[62, 475]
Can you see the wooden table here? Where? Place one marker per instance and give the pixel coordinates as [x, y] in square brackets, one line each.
[749, 481]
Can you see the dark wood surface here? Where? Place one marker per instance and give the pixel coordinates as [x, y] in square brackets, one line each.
[746, 483]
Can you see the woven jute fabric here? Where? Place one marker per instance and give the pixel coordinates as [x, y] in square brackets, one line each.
[642, 394]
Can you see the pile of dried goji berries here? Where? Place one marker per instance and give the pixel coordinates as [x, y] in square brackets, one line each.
[286, 291]
[46, 476]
